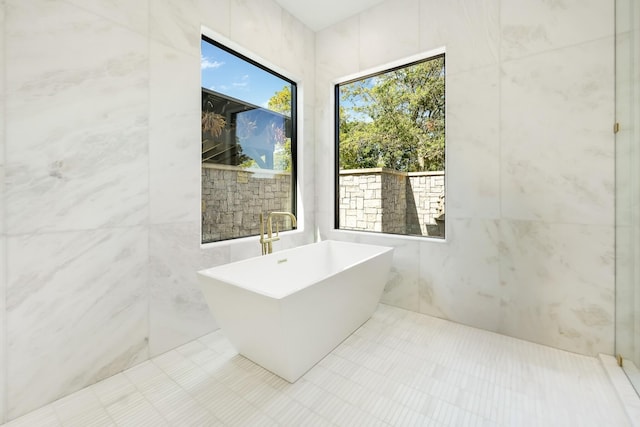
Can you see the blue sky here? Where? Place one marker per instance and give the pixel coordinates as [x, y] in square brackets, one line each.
[227, 74]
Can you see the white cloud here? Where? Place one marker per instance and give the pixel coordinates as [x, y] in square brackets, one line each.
[206, 63]
[219, 88]
[242, 83]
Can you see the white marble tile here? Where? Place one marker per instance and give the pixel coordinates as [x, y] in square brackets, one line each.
[257, 26]
[174, 136]
[310, 60]
[337, 50]
[2, 123]
[134, 15]
[82, 408]
[324, 168]
[178, 312]
[117, 387]
[76, 311]
[399, 368]
[541, 149]
[306, 173]
[460, 278]
[177, 23]
[135, 410]
[78, 160]
[557, 284]
[473, 144]
[215, 14]
[250, 248]
[530, 26]
[3, 268]
[556, 141]
[43, 417]
[294, 45]
[293, 240]
[401, 289]
[388, 32]
[3, 324]
[470, 31]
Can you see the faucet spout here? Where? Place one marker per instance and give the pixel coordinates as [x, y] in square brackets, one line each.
[294, 222]
[266, 242]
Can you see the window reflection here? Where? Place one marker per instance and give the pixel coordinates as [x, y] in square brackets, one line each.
[248, 144]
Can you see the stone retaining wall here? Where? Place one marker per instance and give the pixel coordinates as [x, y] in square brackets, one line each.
[232, 199]
[425, 203]
[388, 201]
[376, 199]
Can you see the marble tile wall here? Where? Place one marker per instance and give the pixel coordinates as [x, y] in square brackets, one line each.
[76, 199]
[3, 267]
[101, 163]
[530, 167]
[101, 188]
[258, 29]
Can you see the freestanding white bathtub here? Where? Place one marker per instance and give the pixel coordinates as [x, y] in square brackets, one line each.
[287, 310]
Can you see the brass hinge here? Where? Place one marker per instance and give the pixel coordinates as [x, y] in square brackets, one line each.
[616, 127]
[619, 359]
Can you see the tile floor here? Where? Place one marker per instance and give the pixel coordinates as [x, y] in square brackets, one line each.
[399, 369]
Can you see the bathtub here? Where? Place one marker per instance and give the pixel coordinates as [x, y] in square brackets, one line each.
[287, 310]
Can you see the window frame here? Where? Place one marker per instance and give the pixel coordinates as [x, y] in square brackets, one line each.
[335, 96]
[225, 45]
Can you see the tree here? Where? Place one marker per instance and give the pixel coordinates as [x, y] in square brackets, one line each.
[281, 103]
[394, 120]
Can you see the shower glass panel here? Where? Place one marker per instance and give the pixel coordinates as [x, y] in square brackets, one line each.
[628, 188]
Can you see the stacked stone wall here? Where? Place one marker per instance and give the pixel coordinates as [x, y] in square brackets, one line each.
[232, 199]
[426, 200]
[370, 200]
[361, 202]
[392, 202]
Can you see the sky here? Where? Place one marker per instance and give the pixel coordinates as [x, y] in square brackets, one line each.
[227, 74]
[349, 104]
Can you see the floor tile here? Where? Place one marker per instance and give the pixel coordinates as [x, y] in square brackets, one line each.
[399, 369]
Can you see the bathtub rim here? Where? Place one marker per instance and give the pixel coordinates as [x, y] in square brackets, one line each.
[204, 272]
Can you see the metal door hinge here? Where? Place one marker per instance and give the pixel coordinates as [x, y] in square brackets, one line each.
[616, 127]
[619, 359]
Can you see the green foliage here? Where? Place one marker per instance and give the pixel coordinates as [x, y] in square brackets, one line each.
[395, 120]
[282, 156]
[281, 102]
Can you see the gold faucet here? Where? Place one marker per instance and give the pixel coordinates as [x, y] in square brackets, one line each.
[266, 242]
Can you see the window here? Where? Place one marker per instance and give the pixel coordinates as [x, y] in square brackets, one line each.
[248, 144]
[390, 151]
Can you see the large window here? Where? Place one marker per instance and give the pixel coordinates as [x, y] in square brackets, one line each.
[390, 151]
[248, 144]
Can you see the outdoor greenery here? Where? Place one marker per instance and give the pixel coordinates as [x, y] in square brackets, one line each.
[394, 120]
[281, 103]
